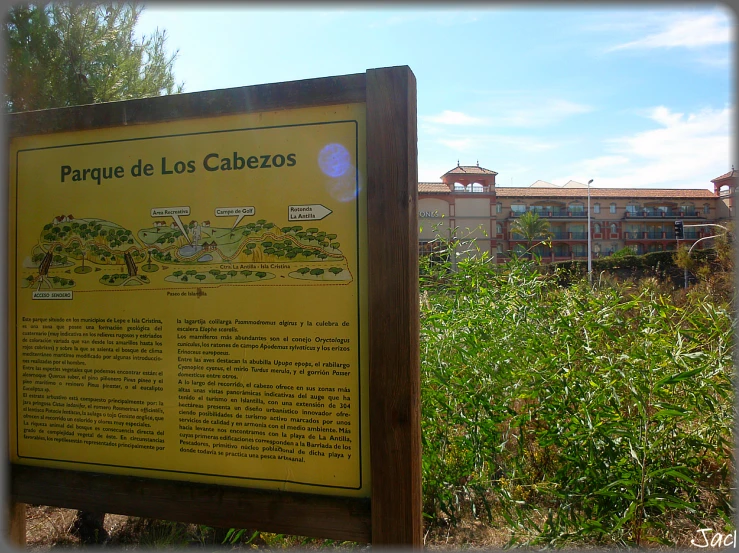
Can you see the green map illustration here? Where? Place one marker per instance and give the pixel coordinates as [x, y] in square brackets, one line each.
[95, 254]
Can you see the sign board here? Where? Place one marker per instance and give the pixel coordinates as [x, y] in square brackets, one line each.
[195, 298]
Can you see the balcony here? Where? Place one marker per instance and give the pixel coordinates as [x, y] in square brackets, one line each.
[650, 235]
[554, 213]
[578, 235]
[473, 190]
[651, 213]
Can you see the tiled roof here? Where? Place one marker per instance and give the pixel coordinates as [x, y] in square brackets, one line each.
[470, 170]
[513, 192]
[574, 184]
[732, 173]
[557, 192]
[435, 187]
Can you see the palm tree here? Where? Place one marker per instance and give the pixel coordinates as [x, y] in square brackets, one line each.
[532, 228]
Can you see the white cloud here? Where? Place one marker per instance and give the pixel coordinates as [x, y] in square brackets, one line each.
[540, 112]
[511, 110]
[683, 151]
[480, 144]
[601, 164]
[685, 30]
[458, 144]
[448, 117]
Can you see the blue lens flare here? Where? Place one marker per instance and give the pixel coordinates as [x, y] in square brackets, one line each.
[334, 160]
[344, 188]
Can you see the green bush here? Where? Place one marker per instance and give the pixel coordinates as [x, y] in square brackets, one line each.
[591, 413]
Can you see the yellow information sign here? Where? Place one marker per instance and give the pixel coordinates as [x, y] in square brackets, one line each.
[189, 300]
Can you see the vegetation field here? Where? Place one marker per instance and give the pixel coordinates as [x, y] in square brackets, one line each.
[583, 414]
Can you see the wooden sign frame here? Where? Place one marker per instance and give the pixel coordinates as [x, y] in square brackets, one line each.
[392, 515]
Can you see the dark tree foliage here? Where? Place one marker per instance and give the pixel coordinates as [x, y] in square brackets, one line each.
[67, 54]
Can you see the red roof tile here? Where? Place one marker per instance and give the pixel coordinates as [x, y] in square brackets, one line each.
[433, 187]
[536, 192]
[730, 174]
[469, 170]
[513, 192]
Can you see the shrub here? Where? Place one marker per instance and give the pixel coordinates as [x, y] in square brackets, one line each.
[598, 413]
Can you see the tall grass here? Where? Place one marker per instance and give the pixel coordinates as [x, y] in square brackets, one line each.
[596, 413]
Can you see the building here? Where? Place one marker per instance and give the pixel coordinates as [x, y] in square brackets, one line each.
[468, 200]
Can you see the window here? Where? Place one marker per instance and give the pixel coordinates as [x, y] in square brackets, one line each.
[575, 208]
[498, 228]
[632, 209]
[706, 209]
[499, 248]
[596, 208]
[596, 228]
[614, 228]
[613, 208]
[498, 207]
[518, 208]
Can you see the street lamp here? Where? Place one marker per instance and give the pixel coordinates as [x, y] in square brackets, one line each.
[590, 247]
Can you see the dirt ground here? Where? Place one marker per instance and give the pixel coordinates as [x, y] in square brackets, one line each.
[48, 528]
[51, 527]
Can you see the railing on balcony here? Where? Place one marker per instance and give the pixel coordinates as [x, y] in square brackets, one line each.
[651, 212]
[551, 213]
[470, 190]
[541, 212]
[559, 235]
[650, 235]
[578, 235]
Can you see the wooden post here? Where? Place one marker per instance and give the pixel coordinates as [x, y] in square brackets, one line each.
[395, 431]
[17, 523]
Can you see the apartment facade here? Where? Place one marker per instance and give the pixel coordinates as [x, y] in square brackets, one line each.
[467, 199]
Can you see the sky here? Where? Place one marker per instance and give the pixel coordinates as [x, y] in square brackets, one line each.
[625, 95]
